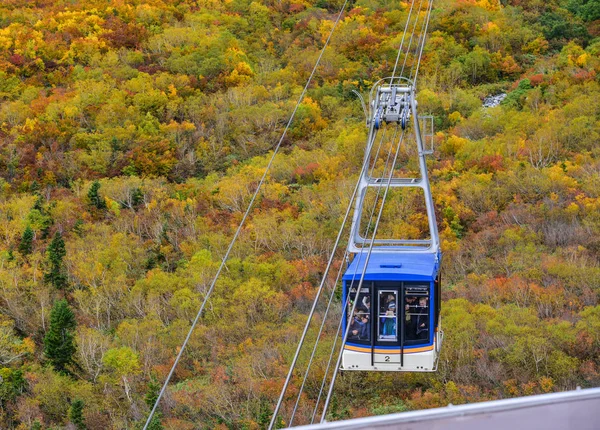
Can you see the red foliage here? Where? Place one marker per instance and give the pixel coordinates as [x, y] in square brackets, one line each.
[427, 400]
[485, 221]
[305, 174]
[124, 35]
[584, 75]
[536, 79]
[17, 60]
[296, 7]
[589, 370]
[487, 163]
[302, 291]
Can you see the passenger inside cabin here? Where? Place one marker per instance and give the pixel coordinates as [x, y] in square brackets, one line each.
[366, 304]
[388, 327]
[360, 327]
[410, 317]
[391, 299]
[422, 328]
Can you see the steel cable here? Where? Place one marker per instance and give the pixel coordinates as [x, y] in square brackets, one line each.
[412, 4]
[411, 38]
[337, 366]
[419, 47]
[418, 55]
[331, 296]
[354, 275]
[428, 18]
[242, 222]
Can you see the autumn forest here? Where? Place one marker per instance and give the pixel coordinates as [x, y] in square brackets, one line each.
[134, 133]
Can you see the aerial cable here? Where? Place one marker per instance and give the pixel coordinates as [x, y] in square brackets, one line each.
[418, 49]
[412, 4]
[368, 256]
[354, 276]
[400, 50]
[332, 295]
[411, 38]
[412, 67]
[337, 334]
[423, 42]
[417, 59]
[408, 48]
[314, 306]
[312, 355]
[319, 291]
[242, 222]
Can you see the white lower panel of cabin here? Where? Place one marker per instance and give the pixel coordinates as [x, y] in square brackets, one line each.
[425, 361]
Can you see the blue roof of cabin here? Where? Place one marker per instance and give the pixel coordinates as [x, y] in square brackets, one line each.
[394, 267]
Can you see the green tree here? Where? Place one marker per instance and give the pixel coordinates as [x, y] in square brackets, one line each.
[155, 423]
[94, 196]
[121, 364]
[588, 10]
[76, 414]
[56, 252]
[59, 344]
[150, 399]
[13, 384]
[26, 244]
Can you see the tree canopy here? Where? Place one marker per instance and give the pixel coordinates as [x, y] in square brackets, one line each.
[133, 134]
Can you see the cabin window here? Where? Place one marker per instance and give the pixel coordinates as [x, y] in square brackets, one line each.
[416, 315]
[388, 316]
[360, 322]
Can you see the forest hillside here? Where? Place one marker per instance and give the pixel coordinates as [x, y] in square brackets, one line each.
[133, 134]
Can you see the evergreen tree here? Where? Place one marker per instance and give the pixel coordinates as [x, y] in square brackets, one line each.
[152, 393]
[38, 205]
[155, 423]
[34, 187]
[78, 227]
[26, 244]
[59, 345]
[137, 197]
[94, 196]
[76, 414]
[150, 399]
[36, 425]
[56, 252]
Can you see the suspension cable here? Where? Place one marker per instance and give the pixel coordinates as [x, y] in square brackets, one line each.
[424, 40]
[312, 355]
[411, 38]
[417, 57]
[408, 50]
[412, 4]
[419, 48]
[338, 334]
[319, 291]
[386, 165]
[368, 257]
[242, 222]
[313, 308]
[332, 294]
[344, 307]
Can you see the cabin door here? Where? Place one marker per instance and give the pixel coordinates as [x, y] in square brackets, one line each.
[388, 325]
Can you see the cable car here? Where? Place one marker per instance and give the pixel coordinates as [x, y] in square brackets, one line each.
[393, 323]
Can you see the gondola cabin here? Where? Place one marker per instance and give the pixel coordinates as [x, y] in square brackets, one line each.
[393, 322]
[395, 326]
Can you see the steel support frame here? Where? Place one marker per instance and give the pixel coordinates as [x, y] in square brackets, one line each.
[358, 242]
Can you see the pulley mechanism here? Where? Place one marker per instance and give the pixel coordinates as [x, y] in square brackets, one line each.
[392, 104]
